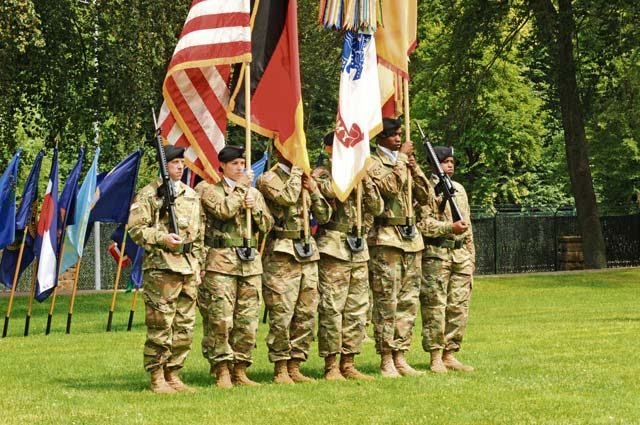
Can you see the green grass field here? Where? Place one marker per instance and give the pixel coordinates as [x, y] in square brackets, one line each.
[548, 349]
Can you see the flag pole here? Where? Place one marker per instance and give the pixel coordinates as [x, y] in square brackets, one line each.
[134, 301]
[359, 210]
[247, 137]
[14, 284]
[34, 276]
[117, 280]
[407, 137]
[73, 295]
[55, 290]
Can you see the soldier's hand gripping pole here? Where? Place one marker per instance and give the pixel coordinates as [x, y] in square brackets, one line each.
[445, 185]
[166, 190]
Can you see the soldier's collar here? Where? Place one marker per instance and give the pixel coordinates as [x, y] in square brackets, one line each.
[391, 155]
[284, 168]
[231, 183]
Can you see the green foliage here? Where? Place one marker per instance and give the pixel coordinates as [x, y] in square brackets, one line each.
[77, 73]
[527, 338]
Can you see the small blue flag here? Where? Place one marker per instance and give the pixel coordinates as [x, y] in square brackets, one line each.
[8, 201]
[29, 194]
[115, 191]
[259, 167]
[67, 201]
[75, 233]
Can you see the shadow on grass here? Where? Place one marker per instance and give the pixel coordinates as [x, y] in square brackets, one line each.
[107, 383]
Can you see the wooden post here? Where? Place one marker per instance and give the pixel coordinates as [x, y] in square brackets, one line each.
[407, 137]
[247, 137]
[32, 292]
[16, 273]
[73, 295]
[134, 302]
[117, 280]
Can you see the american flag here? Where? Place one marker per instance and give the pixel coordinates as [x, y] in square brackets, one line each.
[196, 95]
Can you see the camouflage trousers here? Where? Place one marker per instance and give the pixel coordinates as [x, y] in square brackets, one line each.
[229, 306]
[290, 291]
[395, 283]
[344, 301]
[170, 305]
[444, 300]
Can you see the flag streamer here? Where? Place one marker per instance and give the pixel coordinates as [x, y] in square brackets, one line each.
[351, 15]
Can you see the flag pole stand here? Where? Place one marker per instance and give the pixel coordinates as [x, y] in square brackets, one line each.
[14, 284]
[73, 295]
[134, 302]
[55, 291]
[27, 320]
[407, 137]
[52, 306]
[117, 280]
[247, 136]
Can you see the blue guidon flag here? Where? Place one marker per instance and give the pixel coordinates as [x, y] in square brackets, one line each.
[47, 237]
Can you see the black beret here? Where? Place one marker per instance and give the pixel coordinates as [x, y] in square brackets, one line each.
[173, 152]
[389, 127]
[229, 153]
[443, 152]
[328, 139]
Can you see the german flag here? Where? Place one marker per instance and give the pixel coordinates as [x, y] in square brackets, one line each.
[276, 96]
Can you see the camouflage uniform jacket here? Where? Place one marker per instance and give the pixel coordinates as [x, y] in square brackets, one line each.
[147, 229]
[391, 179]
[332, 241]
[282, 194]
[436, 224]
[226, 221]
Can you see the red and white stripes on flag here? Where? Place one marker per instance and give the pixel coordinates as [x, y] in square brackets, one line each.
[216, 34]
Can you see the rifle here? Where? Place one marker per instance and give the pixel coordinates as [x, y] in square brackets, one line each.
[445, 185]
[166, 189]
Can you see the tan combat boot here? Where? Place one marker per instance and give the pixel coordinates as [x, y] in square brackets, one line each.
[223, 378]
[403, 367]
[451, 363]
[349, 371]
[436, 362]
[174, 381]
[331, 369]
[387, 368]
[280, 373]
[158, 384]
[239, 375]
[293, 366]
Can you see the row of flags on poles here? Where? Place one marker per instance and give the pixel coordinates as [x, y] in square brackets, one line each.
[57, 235]
[203, 88]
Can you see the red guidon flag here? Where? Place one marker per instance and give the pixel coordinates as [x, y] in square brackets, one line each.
[395, 41]
[216, 34]
[276, 96]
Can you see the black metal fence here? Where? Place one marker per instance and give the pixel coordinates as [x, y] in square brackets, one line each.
[508, 240]
[520, 240]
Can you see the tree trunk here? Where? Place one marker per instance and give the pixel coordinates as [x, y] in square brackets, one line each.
[561, 43]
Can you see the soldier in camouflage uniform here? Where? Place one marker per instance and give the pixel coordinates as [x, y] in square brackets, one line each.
[290, 279]
[448, 262]
[229, 297]
[171, 270]
[395, 250]
[344, 276]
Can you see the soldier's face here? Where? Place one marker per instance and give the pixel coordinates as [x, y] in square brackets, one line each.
[392, 142]
[234, 169]
[448, 166]
[175, 167]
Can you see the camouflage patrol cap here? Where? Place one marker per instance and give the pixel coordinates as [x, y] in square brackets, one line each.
[443, 152]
